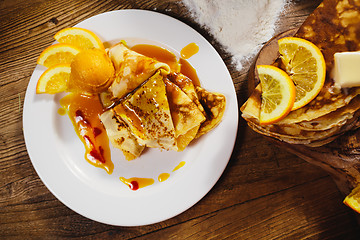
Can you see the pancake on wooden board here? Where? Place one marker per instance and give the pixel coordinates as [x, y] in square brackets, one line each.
[332, 119]
[333, 27]
[312, 139]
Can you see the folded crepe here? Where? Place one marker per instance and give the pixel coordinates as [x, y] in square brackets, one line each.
[150, 106]
[214, 105]
[131, 69]
[159, 114]
[211, 104]
[147, 113]
[187, 86]
[185, 114]
[334, 110]
[120, 135]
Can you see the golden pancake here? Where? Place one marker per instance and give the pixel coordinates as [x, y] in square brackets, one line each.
[186, 115]
[310, 138]
[147, 113]
[184, 112]
[341, 19]
[187, 85]
[131, 69]
[251, 112]
[120, 136]
[335, 118]
[251, 108]
[183, 140]
[214, 106]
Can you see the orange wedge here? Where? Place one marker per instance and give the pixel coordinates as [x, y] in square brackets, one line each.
[79, 37]
[305, 65]
[57, 54]
[54, 79]
[353, 199]
[278, 94]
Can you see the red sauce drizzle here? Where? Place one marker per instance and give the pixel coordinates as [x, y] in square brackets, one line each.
[84, 112]
[134, 185]
[97, 131]
[96, 153]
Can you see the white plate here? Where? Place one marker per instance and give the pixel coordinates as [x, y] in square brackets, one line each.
[57, 154]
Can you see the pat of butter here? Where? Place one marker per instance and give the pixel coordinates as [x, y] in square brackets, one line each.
[347, 69]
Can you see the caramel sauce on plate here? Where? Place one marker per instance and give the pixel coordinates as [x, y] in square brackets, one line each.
[135, 183]
[181, 164]
[163, 177]
[164, 55]
[189, 71]
[189, 50]
[84, 113]
[158, 53]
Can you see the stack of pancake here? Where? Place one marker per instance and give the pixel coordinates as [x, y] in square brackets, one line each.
[333, 27]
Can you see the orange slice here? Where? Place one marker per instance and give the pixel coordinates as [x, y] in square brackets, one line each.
[57, 54]
[278, 94]
[305, 65]
[54, 79]
[79, 37]
[353, 199]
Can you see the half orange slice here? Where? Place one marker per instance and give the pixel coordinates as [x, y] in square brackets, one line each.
[79, 37]
[54, 79]
[278, 94]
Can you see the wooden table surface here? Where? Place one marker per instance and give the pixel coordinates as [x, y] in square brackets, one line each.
[264, 193]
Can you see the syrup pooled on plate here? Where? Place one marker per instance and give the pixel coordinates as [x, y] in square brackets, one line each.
[181, 164]
[163, 177]
[84, 112]
[158, 53]
[189, 50]
[165, 56]
[135, 183]
[189, 71]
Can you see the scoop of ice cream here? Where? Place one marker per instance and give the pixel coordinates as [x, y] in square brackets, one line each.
[91, 72]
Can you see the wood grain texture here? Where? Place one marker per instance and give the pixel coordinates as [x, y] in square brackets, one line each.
[264, 193]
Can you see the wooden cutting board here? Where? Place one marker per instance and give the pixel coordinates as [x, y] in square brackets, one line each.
[340, 158]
